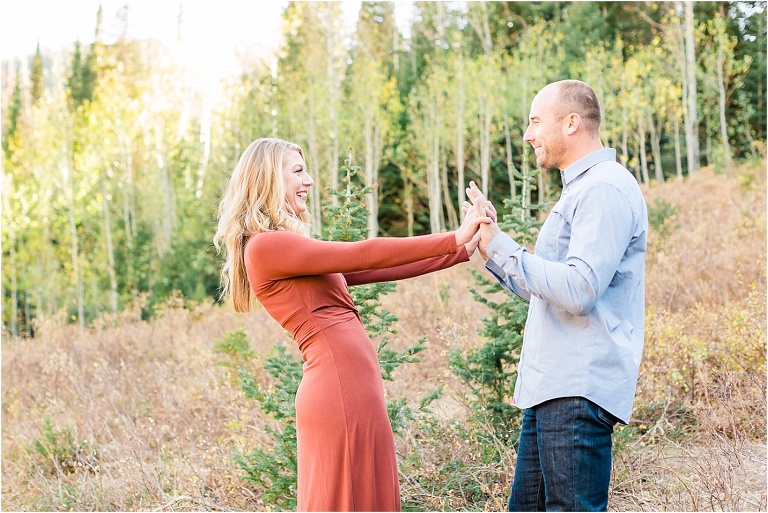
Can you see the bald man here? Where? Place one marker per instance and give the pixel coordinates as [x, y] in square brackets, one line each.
[585, 283]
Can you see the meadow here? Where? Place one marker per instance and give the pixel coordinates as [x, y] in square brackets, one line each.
[136, 414]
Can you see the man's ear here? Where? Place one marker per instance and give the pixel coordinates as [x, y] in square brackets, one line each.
[573, 121]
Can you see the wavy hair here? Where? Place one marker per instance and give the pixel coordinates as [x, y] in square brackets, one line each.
[253, 202]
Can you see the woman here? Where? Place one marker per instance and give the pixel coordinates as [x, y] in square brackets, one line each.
[346, 453]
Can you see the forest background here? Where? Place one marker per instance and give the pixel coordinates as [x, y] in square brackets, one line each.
[114, 160]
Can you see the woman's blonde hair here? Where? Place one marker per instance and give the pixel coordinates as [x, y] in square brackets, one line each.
[253, 202]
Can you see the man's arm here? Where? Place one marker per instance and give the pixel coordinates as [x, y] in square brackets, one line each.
[600, 233]
[503, 244]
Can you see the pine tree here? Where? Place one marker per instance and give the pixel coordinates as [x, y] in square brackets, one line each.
[36, 77]
[81, 80]
[490, 371]
[12, 123]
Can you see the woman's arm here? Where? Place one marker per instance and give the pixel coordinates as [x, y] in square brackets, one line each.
[282, 254]
[405, 271]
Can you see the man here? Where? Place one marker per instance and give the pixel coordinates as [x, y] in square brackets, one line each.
[585, 282]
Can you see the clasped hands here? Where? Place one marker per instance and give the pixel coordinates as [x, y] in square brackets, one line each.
[479, 225]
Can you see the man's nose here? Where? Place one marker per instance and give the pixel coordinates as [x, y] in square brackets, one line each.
[527, 135]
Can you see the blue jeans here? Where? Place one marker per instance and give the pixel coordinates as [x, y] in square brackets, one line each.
[564, 457]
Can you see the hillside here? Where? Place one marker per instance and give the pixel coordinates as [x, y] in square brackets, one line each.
[142, 415]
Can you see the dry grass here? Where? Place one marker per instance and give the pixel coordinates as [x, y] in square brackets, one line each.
[152, 398]
[139, 415]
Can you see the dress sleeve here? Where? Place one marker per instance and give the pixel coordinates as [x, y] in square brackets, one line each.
[411, 270]
[282, 254]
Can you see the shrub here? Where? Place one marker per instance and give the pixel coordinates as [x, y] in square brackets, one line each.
[490, 371]
[58, 452]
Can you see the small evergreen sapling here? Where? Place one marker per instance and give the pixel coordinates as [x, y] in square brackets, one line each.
[491, 370]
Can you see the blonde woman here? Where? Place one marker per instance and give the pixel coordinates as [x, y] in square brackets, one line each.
[346, 453]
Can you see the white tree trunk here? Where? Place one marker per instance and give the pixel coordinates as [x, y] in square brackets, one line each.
[511, 170]
[656, 148]
[641, 149]
[723, 120]
[678, 156]
[692, 119]
[485, 145]
[460, 150]
[433, 184]
[370, 171]
[452, 217]
[74, 242]
[110, 252]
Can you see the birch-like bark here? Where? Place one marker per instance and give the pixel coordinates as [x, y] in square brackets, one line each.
[74, 240]
[678, 156]
[656, 149]
[511, 170]
[723, 119]
[641, 149]
[370, 172]
[433, 179]
[110, 252]
[692, 118]
[485, 145]
[460, 150]
[452, 220]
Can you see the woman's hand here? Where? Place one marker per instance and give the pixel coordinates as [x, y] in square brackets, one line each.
[471, 246]
[469, 228]
[479, 201]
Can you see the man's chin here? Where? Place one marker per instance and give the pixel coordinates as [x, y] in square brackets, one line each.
[543, 164]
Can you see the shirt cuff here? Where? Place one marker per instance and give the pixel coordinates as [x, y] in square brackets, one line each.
[501, 248]
[503, 263]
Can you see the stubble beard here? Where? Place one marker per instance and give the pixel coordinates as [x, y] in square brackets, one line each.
[552, 153]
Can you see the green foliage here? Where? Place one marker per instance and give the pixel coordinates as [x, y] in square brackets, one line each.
[490, 370]
[234, 344]
[390, 359]
[662, 217]
[347, 221]
[58, 452]
[12, 120]
[277, 401]
[274, 471]
[82, 77]
[144, 167]
[36, 76]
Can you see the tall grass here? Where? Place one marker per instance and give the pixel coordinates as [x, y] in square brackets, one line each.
[145, 415]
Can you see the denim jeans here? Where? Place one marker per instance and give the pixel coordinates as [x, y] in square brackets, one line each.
[564, 457]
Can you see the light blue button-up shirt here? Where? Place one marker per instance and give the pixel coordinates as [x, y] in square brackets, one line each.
[585, 283]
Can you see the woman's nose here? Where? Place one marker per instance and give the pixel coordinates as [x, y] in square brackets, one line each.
[308, 181]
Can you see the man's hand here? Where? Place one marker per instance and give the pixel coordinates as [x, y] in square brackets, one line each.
[475, 196]
[483, 207]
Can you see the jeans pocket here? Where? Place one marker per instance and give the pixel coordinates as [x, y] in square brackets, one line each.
[606, 418]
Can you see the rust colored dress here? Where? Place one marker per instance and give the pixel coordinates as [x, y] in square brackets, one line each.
[346, 452]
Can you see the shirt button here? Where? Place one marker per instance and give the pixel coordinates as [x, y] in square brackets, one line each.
[495, 254]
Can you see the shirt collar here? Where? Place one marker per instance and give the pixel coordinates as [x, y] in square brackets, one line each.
[571, 172]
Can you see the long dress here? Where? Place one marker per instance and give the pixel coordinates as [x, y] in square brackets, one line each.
[345, 447]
